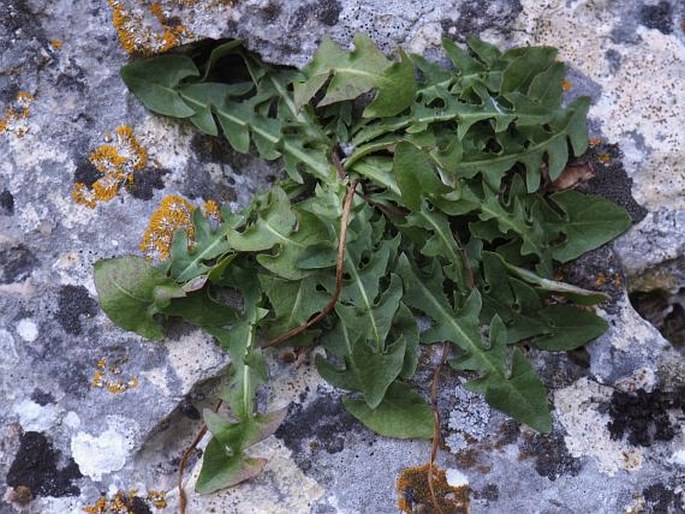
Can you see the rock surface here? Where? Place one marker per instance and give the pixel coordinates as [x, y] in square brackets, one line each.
[86, 408]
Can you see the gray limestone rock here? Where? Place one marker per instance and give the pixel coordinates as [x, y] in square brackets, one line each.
[86, 408]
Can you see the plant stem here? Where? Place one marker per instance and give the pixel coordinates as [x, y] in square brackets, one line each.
[347, 208]
[435, 386]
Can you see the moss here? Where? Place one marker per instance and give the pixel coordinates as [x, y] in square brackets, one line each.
[415, 494]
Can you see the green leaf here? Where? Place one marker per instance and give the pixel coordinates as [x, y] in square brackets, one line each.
[200, 309]
[273, 223]
[567, 126]
[188, 262]
[220, 470]
[402, 414]
[547, 87]
[293, 302]
[224, 464]
[131, 292]
[229, 47]
[588, 222]
[355, 73]
[523, 396]
[571, 328]
[155, 82]
[462, 60]
[395, 90]
[462, 328]
[522, 70]
[415, 174]
[285, 261]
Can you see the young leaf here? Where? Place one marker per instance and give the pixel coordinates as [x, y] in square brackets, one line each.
[224, 464]
[402, 414]
[273, 225]
[131, 292]
[221, 470]
[522, 70]
[189, 262]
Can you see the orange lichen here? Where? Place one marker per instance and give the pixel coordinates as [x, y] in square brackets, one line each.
[121, 503]
[157, 498]
[601, 279]
[595, 141]
[415, 494]
[174, 213]
[211, 209]
[566, 85]
[99, 507]
[19, 110]
[617, 280]
[157, 11]
[56, 44]
[106, 378]
[117, 162]
[136, 36]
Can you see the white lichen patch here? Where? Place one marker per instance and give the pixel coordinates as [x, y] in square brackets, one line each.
[456, 478]
[36, 418]
[282, 488]
[71, 420]
[642, 101]
[27, 330]
[468, 420]
[577, 407]
[99, 455]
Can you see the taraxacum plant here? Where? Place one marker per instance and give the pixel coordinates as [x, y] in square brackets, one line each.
[410, 190]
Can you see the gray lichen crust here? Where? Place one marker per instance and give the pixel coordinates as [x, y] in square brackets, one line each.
[86, 407]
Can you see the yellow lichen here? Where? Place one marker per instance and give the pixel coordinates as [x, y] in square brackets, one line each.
[117, 161]
[106, 378]
[595, 141]
[566, 85]
[83, 196]
[56, 44]
[99, 507]
[604, 158]
[125, 502]
[157, 498]
[137, 36]
[19, 110]
[174, 213]
[211, 209]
